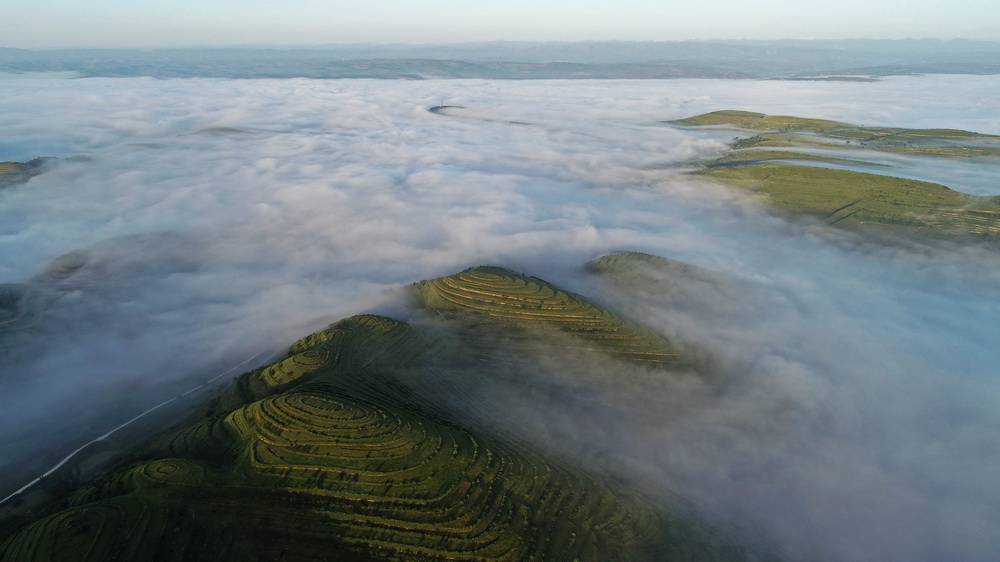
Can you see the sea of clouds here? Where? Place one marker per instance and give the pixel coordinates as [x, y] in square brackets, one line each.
[219, 218]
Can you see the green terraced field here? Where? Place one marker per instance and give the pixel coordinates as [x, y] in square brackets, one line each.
[850, 199]
[538, 309]
[337, 452]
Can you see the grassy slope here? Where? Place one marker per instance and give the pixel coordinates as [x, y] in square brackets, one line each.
[832, 129]
[327, 454]
[867, 201]
[759, 121]
[856, 200]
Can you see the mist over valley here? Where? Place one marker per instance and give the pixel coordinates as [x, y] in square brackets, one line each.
[837, 399]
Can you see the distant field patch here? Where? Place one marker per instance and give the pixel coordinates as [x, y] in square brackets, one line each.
[852, 199]
[866, 201]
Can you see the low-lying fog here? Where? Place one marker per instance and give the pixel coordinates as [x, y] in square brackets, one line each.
[221, 218]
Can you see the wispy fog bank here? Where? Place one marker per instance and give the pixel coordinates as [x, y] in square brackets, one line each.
[221, 218]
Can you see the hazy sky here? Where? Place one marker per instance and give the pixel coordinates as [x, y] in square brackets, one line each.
[119, 23]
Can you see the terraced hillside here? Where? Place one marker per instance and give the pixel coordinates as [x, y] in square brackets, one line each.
[537, 310]
[336, 452]
[854, 199]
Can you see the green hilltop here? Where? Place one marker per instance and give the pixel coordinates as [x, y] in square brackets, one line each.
[537, 310]
[759, 121]
[339, 450]
[788, 131]
[858, 200]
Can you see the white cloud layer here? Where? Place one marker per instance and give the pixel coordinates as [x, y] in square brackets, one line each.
[221, 217]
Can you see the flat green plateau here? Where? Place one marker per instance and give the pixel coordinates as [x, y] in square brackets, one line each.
[862, 201]
[342, 450]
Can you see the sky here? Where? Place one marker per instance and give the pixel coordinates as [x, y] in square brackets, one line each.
[120, 23]
[214, 219]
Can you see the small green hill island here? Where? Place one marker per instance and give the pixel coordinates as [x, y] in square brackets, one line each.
[796, 181]
[340, 450]
[14, 173]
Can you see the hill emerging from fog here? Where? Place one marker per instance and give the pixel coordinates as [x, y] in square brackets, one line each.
[16, 173]
[344, 448]
[846, 59]
[825, 169]
[777, 384]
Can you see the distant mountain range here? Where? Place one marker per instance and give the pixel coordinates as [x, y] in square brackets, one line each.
[821, 59]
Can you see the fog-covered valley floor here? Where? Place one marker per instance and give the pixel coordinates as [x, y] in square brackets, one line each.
[218, 219]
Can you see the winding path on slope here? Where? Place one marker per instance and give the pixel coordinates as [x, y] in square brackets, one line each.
[239, 367]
